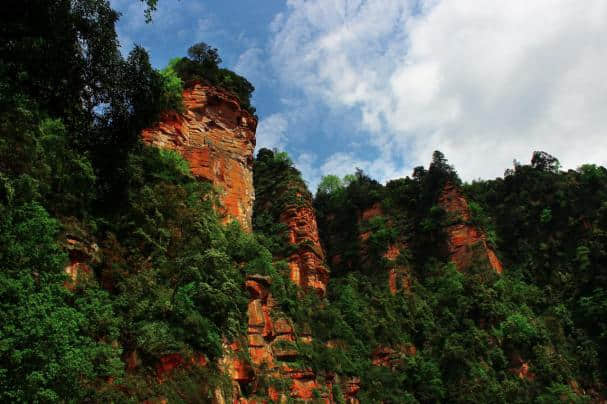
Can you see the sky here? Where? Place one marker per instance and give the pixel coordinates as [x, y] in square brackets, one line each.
[380, 84]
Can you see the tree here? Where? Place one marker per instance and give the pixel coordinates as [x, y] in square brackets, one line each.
[151, 7]
[545, 162]
[330, 184]
[204, 54]
[440, 163]
[202, 64]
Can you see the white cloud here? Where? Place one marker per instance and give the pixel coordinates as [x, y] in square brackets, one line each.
[484, 82]
[272, 132]
[307, 164]
[250, 64]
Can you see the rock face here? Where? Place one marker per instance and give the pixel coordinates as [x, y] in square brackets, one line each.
[269, 340]
[217, 137]
[83, 252]
[307, 263]
[399, 277]
[466, 242]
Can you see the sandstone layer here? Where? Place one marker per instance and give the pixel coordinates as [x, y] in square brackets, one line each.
[217, 137]
[271, 340]
[466, 242]
[307, 264]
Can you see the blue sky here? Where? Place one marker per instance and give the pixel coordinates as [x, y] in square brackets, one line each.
[380, 84]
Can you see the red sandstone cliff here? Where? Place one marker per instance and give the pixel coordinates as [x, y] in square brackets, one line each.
[307, 263]
[269, 339]
[466, 242]
[399, 277]
[217, 137]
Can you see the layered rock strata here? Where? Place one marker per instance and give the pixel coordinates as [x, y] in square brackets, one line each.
[270, 340]
[217, 137]
[466, 242]
[307, 264]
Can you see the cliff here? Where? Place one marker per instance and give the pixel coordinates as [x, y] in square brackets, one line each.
[466, 242]
[272, 342]
[307, 264]
[399, 275]
[282, 197]
[120, 283]
[217, 137]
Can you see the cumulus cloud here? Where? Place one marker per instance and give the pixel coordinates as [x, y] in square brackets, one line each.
[272, 132]
[484, 82]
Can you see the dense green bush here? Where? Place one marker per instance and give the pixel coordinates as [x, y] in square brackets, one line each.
[170, 277]
[203, 65]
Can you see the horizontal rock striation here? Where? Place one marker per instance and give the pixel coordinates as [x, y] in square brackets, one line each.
[271, 340]
[217, 137]
[307, 264]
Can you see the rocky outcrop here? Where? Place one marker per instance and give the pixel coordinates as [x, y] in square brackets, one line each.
[217, 137]
[466, 242]
[307, 264]
[270, 341]
[83, 252]
[521, 368]
[399, 276]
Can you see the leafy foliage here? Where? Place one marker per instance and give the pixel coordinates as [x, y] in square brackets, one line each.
[168, 277]
[473, 332]
[203, 65]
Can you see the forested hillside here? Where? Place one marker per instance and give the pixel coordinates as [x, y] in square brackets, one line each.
[123, 279]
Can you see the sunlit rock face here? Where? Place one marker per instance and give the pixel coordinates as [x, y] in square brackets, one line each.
[307, 263]
[217, 137]
[466, 242]
[270, 339]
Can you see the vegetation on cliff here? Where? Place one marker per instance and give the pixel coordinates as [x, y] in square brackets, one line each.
[154, 271]
[534, 333]
[115, 268]
[202, 64]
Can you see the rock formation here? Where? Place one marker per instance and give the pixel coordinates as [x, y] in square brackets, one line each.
[269, 341]
[399, 276]
[217, 137]
[83, 252]
[466, 242]
[307, 264]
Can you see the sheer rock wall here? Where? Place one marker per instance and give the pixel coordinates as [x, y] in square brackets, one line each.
[217, 137]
